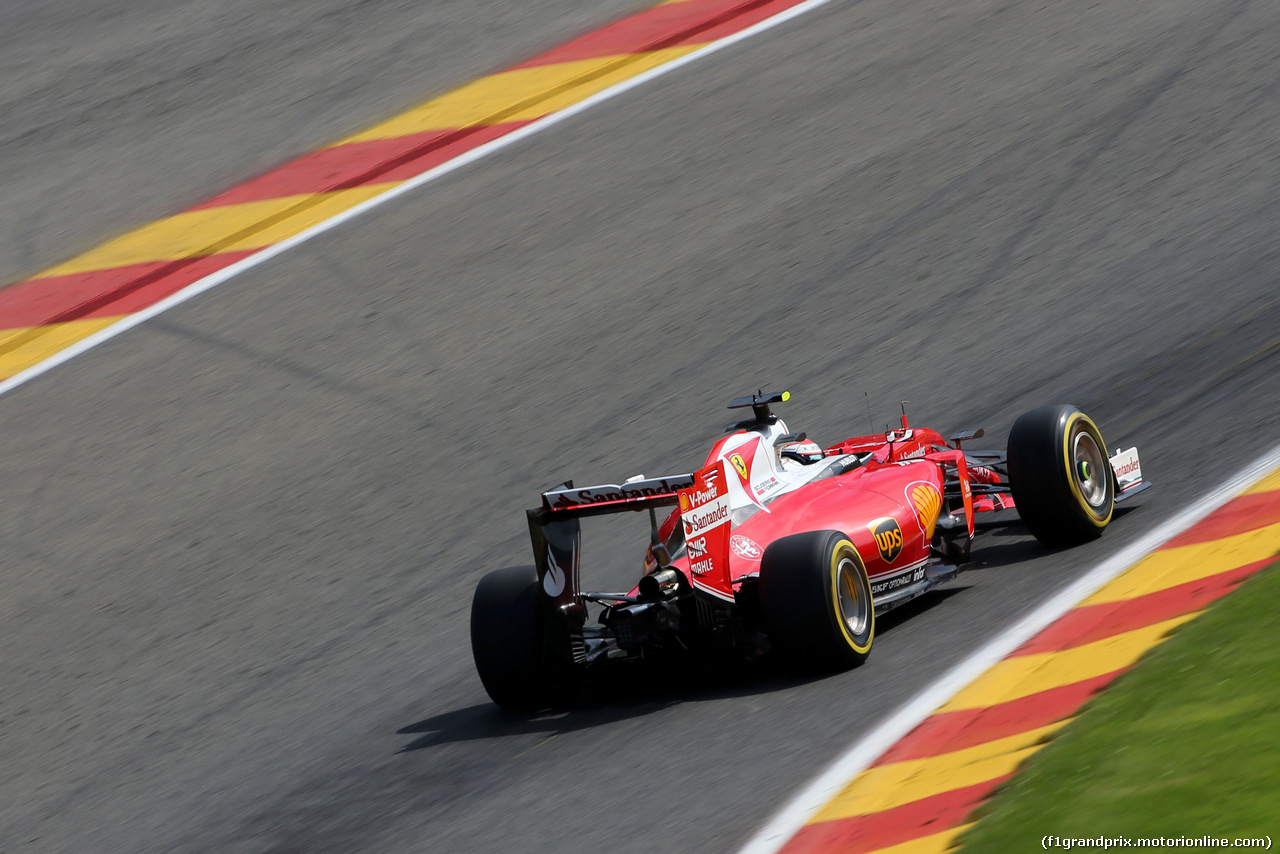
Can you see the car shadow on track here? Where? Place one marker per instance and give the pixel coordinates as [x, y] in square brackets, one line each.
[886, 623]
[991, 555]
[1012, 544]
[640, 690]
[608, 698]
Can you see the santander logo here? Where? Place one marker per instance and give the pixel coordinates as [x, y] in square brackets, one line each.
[695, 522]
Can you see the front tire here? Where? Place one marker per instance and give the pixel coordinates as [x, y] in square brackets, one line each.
[509, 643]
[816, 600]
[1060, 475]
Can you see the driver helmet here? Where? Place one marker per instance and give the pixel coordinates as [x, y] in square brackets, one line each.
[805, 452]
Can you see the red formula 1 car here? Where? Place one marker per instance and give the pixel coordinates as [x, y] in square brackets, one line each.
[778, 542]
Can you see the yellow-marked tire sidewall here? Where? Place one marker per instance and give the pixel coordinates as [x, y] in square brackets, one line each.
[844, 548]
[799, 592]
[1076, 423]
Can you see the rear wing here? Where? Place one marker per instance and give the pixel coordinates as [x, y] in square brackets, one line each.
[638, 493]
[556, 537]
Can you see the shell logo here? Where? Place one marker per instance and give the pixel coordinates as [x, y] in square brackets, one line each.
[927, 501]
[684, 502]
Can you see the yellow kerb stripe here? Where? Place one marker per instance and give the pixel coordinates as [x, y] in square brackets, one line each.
[1270, 483]
[1024, 675]
[520, 95]
[937, 843]
[45, 342]
[223, 229]
[1171, 567]
[887, 786]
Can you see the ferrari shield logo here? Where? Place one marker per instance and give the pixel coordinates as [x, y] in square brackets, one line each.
[888, 536]
[740, 464]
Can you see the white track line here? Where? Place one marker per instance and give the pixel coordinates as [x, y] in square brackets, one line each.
[871, 746]
[214, 279]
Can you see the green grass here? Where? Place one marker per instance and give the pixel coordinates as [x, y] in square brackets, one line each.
[1185, 744]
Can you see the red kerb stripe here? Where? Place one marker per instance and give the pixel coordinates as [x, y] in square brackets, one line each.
[635, 34]
[1238, 516]
[945, 732]
[83, 296]
[661, 27]
[1090, 623]
[864, 833]
[356, 164]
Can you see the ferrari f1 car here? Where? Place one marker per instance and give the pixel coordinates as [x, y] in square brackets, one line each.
[776, 542]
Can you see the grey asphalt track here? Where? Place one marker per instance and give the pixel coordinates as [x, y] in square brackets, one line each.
[239, 542]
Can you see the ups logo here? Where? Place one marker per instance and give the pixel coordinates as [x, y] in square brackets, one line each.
[888, 536]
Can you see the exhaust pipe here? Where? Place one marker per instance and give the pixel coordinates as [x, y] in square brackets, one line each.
[660, 584]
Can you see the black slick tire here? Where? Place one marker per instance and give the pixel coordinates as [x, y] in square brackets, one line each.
[508, 642]
[1060, 475]
[816, 601]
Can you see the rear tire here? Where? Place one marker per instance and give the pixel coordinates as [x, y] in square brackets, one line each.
[816, 600]
[1060, 475]
[509, 643]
